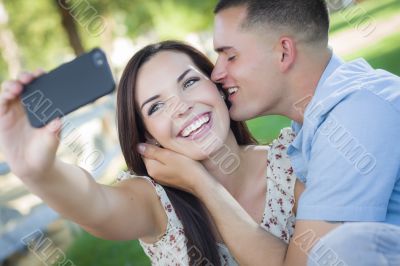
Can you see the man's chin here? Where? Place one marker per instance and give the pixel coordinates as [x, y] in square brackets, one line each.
[239, 115]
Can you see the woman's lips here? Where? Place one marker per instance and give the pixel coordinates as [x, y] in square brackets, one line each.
[202, 131]
[198, 129]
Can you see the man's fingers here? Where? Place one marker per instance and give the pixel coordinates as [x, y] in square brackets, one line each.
[153, 152]
[154, 168]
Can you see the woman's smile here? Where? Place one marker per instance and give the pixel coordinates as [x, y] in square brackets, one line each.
[197, 127]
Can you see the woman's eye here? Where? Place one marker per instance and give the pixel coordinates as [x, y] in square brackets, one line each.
[155, 107]
[190, 82]
[230, 58]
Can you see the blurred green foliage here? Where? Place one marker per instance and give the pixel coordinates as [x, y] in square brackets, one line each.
[385, 54]
[42, 41]
[357, 14]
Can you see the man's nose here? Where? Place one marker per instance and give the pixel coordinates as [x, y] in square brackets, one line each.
[219, 72]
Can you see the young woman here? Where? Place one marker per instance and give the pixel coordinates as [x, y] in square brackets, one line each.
[165, 96]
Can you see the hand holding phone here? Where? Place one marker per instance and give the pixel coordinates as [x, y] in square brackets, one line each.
[68, 87]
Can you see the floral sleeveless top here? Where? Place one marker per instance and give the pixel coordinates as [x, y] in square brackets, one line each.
[278, 218]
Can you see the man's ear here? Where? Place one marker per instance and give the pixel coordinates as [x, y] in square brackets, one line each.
[288, 51]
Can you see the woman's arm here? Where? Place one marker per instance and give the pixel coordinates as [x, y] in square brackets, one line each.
[127, 211]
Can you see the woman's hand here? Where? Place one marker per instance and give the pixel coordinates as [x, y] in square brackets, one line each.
[171, 168]
[28, 151]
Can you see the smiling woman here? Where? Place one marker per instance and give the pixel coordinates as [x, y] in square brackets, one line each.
[178, 104]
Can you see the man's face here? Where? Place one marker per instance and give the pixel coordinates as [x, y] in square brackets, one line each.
[247, 66]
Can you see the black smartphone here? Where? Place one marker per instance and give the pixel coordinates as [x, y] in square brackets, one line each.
[68, 87]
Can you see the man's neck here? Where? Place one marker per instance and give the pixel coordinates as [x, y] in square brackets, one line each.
[305, 83]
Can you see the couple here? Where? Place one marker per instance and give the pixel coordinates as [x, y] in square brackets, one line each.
[285, 203]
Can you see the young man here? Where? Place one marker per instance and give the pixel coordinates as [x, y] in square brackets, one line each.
[274, 59]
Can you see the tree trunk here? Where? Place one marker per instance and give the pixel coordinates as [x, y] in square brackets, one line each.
[69, 26]
[8, 46]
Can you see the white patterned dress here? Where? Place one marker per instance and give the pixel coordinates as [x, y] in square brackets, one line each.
[278, 218]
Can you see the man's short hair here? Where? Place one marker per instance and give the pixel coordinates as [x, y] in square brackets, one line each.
[310, 18]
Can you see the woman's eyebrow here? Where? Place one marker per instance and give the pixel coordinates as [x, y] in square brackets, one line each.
[183, 75]
[179, 79]
[149, 100]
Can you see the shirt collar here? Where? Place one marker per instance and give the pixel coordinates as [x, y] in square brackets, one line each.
[333, 64]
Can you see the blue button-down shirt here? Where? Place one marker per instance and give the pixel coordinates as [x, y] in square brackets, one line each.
[347, 151]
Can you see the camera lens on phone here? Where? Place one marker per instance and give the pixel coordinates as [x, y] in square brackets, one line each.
[98, 59]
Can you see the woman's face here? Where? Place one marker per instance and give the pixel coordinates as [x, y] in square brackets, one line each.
[181, 108]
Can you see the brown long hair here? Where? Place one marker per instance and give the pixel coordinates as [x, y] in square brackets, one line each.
[131, 131]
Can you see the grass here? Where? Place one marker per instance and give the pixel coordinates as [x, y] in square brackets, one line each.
[88, 250]
[385, 54]
[267, 128]
[354, 16]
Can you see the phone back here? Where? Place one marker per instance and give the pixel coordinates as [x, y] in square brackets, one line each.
[67, 88]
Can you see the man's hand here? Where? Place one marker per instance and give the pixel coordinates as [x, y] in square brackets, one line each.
[171, 168]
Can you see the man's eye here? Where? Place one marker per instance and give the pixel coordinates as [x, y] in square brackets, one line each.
[190, 82]
[155, 107]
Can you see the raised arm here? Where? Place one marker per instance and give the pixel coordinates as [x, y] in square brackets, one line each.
[129, 210]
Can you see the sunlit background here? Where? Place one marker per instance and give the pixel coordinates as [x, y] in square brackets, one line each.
[46, 33]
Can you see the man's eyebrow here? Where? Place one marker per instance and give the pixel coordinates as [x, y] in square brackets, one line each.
[179, 79]
[149, 100]
[222, 49]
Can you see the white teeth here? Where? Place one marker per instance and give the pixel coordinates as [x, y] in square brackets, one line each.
[195, 125]
[232, 90]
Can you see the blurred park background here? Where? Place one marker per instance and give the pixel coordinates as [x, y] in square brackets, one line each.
[46, 33]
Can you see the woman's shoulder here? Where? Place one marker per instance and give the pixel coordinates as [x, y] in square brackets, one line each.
[129, 175]
[129, 178]
[284, 139]
[278, 159]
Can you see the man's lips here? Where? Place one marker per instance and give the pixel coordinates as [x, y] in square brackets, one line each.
[231, 91]
[195, 124]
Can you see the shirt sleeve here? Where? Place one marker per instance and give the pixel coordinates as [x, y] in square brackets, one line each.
[354, 161]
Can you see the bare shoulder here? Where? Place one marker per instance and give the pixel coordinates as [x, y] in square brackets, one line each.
[255, 149]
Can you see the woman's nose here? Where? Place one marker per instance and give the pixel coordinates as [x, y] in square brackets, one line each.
[184, 109]
[179, 107]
